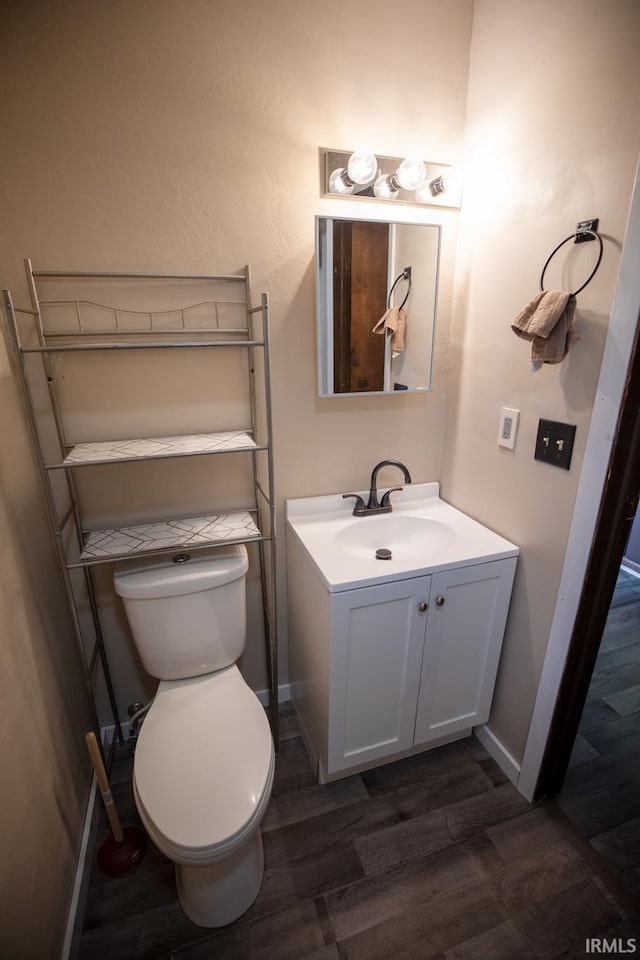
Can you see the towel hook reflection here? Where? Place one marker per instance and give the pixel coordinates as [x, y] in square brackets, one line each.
[405, 275]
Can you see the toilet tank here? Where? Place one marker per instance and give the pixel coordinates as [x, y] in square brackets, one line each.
[186, 611]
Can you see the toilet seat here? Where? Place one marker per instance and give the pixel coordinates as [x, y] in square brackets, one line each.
[204, 765]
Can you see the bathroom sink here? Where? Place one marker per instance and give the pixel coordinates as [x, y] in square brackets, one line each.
[405, 537]
[423, 533]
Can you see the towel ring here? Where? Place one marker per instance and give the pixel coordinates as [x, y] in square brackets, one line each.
[596, 236]
[405, 275]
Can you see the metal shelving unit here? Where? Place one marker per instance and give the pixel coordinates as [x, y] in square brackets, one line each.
[70, 324]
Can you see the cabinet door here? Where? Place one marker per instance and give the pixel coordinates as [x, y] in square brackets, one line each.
[467, 616]
[376, 651]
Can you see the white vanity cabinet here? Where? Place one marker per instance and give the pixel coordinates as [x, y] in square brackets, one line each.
[385, 670]
[465, 625]
[376, 645]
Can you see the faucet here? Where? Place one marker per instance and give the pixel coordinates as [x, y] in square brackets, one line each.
[372, 506]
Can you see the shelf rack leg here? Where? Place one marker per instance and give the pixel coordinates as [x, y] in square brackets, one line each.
[103, 655]
[269, 596]
[12, 339]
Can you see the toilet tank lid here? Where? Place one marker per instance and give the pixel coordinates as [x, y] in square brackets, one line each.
[180, 573]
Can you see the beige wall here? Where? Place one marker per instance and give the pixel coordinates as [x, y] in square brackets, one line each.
[45, 769]
[186, 138]
[553, 137]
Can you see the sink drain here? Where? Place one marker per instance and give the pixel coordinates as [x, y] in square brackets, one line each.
[383, 554]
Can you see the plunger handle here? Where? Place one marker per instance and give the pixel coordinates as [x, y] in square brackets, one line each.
[103, 784]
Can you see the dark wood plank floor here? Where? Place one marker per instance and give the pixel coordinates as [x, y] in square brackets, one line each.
[601, 794]
[437, 856]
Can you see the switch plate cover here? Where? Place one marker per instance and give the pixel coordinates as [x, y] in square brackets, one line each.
[554, 443]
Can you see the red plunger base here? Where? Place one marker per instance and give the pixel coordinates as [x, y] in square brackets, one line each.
[120, 859]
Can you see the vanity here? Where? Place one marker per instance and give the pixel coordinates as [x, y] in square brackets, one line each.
[393, 656]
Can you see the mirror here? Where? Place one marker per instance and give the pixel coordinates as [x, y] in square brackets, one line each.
[376, 300]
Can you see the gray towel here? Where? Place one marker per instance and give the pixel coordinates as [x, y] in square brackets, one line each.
[549, 323]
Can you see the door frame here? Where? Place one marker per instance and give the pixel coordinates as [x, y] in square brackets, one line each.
[602, 501]
[617, 511]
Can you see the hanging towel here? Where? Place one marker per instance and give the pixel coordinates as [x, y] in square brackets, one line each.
[394, 320]
[549, 323]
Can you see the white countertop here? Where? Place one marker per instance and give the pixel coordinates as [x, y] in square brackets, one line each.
[326, 528]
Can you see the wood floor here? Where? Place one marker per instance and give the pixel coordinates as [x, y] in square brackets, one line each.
[601, 794]
[437, 856]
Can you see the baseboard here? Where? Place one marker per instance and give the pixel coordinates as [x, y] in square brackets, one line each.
[284, 695]
[499, 752]
[81, 881]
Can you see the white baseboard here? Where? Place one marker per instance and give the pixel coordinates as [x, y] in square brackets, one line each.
[499, 752]
[81, 882]
[284, 695]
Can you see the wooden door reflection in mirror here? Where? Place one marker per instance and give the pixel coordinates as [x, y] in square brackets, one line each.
[360, 258]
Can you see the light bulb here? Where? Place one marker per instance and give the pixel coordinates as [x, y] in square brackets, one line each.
[362, 166]
[411, 174]
[448, 182]
[383, 188]
[341, 183]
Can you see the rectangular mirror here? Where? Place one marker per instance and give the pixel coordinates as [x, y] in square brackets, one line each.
[376, 303]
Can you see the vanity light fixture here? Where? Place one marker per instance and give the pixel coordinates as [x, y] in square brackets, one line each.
[363, 175]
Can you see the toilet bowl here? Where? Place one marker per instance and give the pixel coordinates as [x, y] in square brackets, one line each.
[202, 780]
[204, 759]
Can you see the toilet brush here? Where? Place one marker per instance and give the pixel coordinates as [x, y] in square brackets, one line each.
[124, 848]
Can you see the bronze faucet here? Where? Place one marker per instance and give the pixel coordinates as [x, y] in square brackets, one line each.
[372, 506]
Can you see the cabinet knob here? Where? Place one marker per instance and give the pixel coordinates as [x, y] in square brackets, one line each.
[440, 601]
[423, 607]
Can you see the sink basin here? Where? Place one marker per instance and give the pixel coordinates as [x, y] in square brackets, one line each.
[407, 537]
[423, 533]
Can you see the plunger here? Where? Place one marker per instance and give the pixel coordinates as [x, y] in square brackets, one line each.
[123, 849]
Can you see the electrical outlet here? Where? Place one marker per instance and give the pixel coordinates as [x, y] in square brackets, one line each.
[508, 427]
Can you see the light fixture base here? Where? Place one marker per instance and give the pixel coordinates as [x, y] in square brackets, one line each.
[423, 197]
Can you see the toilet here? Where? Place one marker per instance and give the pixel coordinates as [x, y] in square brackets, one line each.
[204, 760]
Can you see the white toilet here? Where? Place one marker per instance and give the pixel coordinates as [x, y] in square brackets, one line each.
[204, 759]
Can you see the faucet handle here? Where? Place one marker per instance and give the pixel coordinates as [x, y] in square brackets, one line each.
[359, 506]
[385, 497]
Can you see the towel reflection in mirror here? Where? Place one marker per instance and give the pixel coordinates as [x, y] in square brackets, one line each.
[394, 320]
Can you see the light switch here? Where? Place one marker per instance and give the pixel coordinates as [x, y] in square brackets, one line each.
[554, 443]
